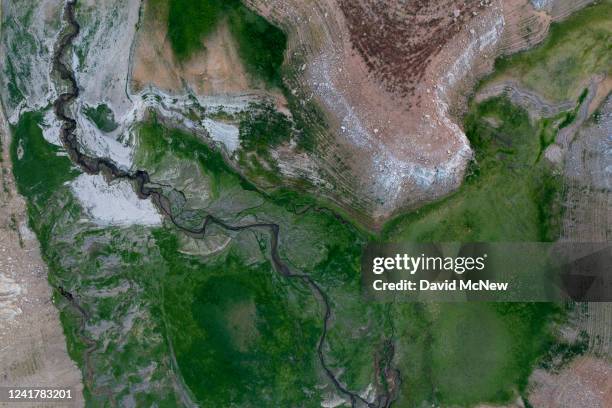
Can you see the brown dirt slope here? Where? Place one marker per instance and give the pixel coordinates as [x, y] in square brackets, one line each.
[215, 70]
[585, 383]
[390, 77]
[398, 40]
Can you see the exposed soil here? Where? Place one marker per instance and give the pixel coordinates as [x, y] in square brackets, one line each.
[388, 146]
[585, 383]
[604, 89]
[588, 210]
[525, 26]
[560, 9]
[215, 70]
[398, 40]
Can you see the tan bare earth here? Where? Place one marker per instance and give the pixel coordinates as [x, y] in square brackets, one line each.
[603, 91]
[32, 343]
[525, 26]
[585, 383]
[215, 70]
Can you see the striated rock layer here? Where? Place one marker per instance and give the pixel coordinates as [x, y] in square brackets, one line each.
[386, 75]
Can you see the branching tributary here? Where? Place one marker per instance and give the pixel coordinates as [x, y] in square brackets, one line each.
[141, 181]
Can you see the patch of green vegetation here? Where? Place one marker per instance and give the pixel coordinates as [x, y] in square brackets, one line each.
[221, 115]
[469, 366]
[263, 169]
[547, 193]
[15, 95]
[152, 143]
[261, 45]
[124, 316]
[568, 119]
[529, 328]
[470, 353]
[318, 243]
[549, 127]
[241, 334]
[39, 167]
[262, 127]
[71, 324]
[561, 353]
[102, 116]
[509, 195]
[313, 241]
[547, 134]
[463, 354]
[88, 262]
[575, 49]
[189, 21]
[155, 141]
[22, 50]
[571, 116]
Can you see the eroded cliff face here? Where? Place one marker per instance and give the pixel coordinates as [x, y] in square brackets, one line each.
[388, 75]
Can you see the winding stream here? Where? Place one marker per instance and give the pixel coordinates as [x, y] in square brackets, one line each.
[140, 179]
